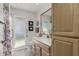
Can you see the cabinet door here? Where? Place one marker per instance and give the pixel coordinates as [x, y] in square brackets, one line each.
[44, 53]
[63, 17]
[38, 50]
[62, 48]
[76, 18]
[33, 50]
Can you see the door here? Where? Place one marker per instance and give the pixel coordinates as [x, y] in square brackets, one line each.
[19, 36]
[1, 38]
[62, 48]
[63, 17]
[19, 32]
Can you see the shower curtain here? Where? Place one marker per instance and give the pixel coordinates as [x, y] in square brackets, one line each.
[8, 39]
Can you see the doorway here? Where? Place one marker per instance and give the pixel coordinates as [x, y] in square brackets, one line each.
[19, 41]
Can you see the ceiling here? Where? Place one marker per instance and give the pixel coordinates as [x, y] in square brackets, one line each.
[32, 7]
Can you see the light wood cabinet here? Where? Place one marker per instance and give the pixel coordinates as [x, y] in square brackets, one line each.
[64, 46]
[37, 50]
[66, 29]
[44, 53]
[40, 49]
[76, 19]
[63, 17]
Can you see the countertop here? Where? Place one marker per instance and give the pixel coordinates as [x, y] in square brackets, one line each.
[44, 40]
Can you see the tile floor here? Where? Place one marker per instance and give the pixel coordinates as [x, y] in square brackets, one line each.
[23, 52]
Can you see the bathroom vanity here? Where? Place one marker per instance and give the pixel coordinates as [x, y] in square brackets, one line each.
[42, 43]
[41, 46]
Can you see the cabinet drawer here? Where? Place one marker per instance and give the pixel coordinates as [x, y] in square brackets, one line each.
[39, 47]
[43, 46]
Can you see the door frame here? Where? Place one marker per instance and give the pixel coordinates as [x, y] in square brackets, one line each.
[14, 31]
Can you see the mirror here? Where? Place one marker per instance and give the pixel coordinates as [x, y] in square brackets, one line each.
[46, 23]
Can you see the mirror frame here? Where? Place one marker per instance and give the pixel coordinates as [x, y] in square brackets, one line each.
[41, 29]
